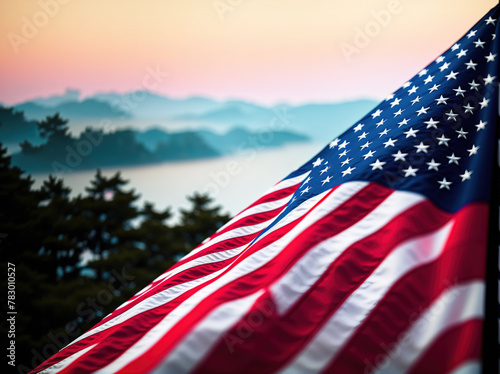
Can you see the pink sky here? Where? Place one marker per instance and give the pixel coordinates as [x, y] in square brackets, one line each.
[259, 50]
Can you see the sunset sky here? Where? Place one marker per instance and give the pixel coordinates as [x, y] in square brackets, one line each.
[265, 51]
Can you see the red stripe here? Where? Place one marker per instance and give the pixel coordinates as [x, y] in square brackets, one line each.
[413, 293]
[453, 348]
[362, 203]
[275, 195]
[279, 338]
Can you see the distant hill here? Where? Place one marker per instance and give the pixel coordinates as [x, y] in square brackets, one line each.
[54, 100]
[73, 110]
[148, 105]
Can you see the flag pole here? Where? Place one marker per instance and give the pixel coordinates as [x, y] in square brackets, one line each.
[490, 342]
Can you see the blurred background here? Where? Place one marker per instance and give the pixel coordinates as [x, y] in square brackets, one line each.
[132, 130]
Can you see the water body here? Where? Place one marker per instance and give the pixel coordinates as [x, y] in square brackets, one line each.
[233, 181]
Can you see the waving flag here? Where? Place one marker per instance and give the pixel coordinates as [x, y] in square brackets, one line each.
[370, 258]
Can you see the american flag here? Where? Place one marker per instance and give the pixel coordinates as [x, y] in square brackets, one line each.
[370, 258]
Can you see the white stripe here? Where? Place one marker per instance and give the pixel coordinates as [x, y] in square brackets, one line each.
[287, 183]
[248, 265]
[63, 364]
[198, 343]
[255, 209]
[258, 209]
[470, 367]
[237, 232]
[203, 260]
[152, 302]
[305, 273]
[345, 321]
[455, 306]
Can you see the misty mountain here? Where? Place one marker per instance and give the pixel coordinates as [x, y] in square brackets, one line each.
[140, 109]
[148, 105]
[73, 110]
[54, 100]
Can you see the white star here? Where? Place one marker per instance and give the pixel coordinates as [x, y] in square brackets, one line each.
[466, 175]
[344, 144]
[490, 57]
[468, 108]
[421, 147]
[398, 113]
[445, 66]
[433, 165]
[383, 132]
[343, 153]
[390, 142]
[380, 123]
[461, 133]
[440, 59]
[481, 125]
[479, 43]
[307, 180]
[390, 97]
[471, 65]
[317, 162]
[422, 111]
[333, 143]
[452, 75]
[443, 140]
[407, 84]
[347, 171]
[455, 46]
[400, 156]
[474, 85]
[378, 165]
[490, 20]
[324, 170]
[412, 90]
[484, 103]
[369, 154]
[346, 161]
[441, 100]
[362, 136]
[326, 180]
[403, 122]
[358, 127]
[471, 34]
[366, 145]
[415, 100]
[444, 184]
[423, 72]
[459, 91]
[377, 113]
[488, 80]
[410, 172]
[434, 88]
[462, 53]
[305, 190]
[431, 123]
[395, 102]
[453, 159]
[451, 115]
[473, 150]
[429, 79]
[411, 132]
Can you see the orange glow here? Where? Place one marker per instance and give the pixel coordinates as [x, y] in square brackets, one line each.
[264, 51]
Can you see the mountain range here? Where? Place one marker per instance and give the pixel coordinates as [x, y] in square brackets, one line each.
[142, 110]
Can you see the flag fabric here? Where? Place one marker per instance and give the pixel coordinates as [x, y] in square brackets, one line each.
[370, 258]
